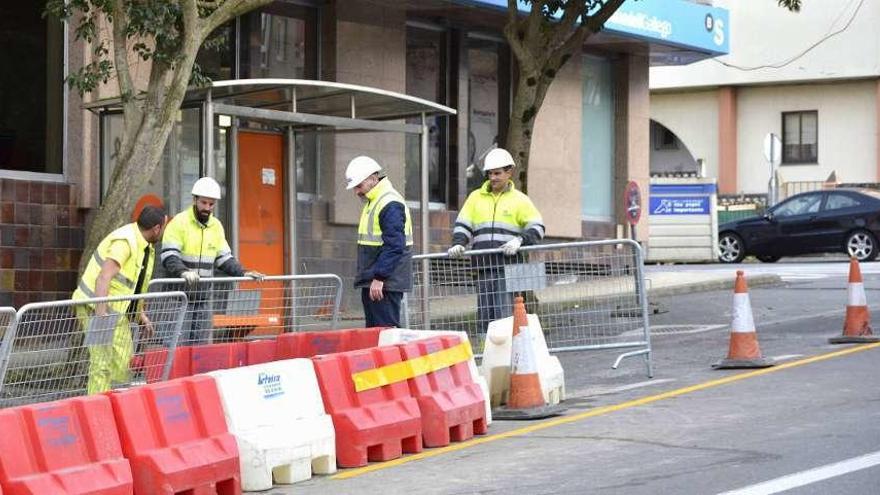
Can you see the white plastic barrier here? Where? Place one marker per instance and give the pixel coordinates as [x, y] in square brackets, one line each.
[277, 416]
[391, 336]
[496, 362]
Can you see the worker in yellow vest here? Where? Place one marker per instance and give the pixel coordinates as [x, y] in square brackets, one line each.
[495, 216]
[194, 246]
[121, 266]
[384, 258]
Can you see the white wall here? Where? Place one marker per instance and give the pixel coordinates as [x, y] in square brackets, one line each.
[847, 131]
[693, 117]
[763, 33]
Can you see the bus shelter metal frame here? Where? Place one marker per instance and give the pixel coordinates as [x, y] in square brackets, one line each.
[383, 111]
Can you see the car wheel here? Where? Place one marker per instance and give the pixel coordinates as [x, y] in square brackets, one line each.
[731, 248]
[767, 258]
[862, 245]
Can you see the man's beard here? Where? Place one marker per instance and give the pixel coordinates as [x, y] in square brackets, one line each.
[202, 216]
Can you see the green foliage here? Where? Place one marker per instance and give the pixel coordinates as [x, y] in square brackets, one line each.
[792, 5]
[154, 30]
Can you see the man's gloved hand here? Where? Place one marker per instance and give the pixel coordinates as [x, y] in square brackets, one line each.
[456, 251]
[512, 246]
[255, 275]
[191, 277]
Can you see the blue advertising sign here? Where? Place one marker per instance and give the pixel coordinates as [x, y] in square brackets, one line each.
[679, 205]
[675, 22]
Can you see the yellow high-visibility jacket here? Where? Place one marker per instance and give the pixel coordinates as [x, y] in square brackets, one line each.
[191, 245]
[123, 284]
[488, 220]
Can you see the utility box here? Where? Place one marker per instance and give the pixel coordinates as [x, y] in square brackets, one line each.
[683, 219]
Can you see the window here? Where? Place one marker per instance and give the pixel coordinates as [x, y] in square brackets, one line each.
[664, 139]
[217, 59]
[487, 114]
[801, 205]
[800, 131]
[31, 93]
[280, 41]
[837, 201]
[426, 78]
[179, 167]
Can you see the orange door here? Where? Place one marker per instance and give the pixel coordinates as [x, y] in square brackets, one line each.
[261, 202]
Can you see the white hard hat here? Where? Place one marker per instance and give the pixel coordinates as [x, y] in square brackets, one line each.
[206, 187]
[359, 168]
[497, 158]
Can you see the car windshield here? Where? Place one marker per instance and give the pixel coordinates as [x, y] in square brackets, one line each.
[800, 205]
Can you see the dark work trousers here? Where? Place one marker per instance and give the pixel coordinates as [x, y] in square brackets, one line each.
[384, 313]
[493, 302]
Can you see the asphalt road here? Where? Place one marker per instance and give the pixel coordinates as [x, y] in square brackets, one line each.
[810, 425]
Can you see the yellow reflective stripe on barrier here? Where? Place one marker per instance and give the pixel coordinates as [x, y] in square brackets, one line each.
[404, 370]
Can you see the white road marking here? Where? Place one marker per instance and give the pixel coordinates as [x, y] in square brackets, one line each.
[786, 357]
[810, 476]
[624, 388]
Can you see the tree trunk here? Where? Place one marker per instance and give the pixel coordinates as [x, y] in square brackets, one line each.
[531, 89]
[134, 172]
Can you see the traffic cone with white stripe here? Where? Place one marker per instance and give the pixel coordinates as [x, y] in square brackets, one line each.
[744, 351]
[525, 399]
[857, 325]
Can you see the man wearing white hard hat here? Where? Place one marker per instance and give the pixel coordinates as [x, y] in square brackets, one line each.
[384, 259]
[495, 216]
[194, 246]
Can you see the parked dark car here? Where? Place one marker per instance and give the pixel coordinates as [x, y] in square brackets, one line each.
[829, 221]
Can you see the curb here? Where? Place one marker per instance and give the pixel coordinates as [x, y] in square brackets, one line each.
[758, 280]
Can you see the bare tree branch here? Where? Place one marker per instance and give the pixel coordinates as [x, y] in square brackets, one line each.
[120, 51]
[228, 10]
[596, 21]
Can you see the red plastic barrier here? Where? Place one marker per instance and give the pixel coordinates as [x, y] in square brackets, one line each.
[175, 436]
[307, 344]
[261, 351]
[211, 357]
[376, 425]
[68, 446]
[154, 364]
[451, 403]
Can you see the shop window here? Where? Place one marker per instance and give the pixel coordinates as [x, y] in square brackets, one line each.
[800, 137]
[487, 113]
[280, 41]
[31, 93]
[179, 167]
[216, 58]
[426, 79]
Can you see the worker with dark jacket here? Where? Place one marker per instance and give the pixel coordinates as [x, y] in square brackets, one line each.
[194, 246]
[384, 259]
[494, 216]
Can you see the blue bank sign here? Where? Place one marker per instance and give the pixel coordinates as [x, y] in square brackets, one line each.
[675, 22]
[679, 205]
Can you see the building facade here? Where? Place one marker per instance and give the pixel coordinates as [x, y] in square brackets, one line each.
[812, 78]
[591, 135]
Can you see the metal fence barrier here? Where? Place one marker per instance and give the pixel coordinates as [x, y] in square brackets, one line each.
[60, 349]
[223, 309]
[588, 295]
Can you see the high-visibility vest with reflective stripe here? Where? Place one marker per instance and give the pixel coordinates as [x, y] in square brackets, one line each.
[489, 220]
[201, 247]
[369, 230]
[123, 283]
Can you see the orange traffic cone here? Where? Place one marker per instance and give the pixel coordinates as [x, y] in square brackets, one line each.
[525, 399]
[857, 325]
[744, 351]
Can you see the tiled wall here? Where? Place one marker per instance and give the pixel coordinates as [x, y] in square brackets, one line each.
[41, 237]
